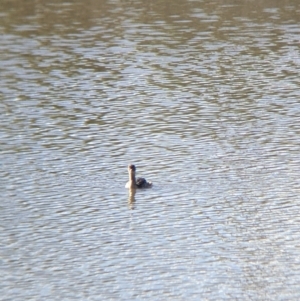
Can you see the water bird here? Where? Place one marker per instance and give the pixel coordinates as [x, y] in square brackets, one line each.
[134, 182]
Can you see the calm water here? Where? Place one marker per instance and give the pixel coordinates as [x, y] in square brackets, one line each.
[203, 96]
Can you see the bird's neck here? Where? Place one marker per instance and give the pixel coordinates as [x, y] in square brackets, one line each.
[132, 182]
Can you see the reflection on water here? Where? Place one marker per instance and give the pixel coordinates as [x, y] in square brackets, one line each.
[203, 97]
[131, 198]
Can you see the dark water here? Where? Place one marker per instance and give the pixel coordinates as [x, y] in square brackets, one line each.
[203, 96]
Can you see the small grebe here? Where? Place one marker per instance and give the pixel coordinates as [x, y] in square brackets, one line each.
[136, 183]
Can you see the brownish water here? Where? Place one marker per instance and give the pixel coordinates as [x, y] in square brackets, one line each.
[203, 96]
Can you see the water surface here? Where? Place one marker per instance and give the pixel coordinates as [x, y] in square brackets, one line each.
[203, 97]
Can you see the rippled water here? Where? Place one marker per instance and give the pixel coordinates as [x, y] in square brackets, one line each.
[203, 97]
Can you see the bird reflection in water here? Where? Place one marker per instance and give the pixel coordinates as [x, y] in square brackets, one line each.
[131, 198]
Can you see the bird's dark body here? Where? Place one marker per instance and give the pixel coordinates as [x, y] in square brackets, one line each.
[141, 182]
